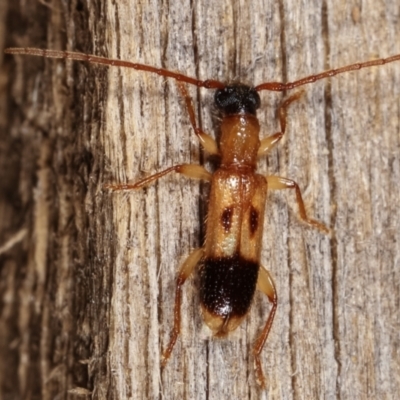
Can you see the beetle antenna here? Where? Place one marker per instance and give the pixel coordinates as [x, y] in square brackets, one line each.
[279, 87]
[70, 55]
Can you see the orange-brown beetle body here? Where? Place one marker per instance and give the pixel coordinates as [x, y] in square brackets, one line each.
[234, 227]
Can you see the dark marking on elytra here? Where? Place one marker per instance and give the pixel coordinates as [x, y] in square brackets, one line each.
[226, 218]
[253, 220]
[227, 285]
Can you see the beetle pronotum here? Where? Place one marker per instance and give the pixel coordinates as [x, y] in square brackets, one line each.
[230, 258]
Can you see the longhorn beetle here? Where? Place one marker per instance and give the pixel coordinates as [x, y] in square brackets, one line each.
[229, 260]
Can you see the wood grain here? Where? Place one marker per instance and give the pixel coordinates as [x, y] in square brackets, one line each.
[87, 293]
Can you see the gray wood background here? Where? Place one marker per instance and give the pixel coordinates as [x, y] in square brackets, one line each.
[88, 278]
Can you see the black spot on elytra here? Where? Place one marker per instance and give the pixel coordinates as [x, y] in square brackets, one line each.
[253, 220]
[227, 285]
[226, 218]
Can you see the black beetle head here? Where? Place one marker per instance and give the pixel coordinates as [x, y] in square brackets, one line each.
[237, 99]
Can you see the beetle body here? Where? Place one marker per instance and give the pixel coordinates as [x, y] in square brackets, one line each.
[229, 271]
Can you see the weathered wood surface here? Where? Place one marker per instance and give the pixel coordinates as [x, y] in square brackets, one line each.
[87, 287]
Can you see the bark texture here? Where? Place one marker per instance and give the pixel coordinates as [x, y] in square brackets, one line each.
[87, 278]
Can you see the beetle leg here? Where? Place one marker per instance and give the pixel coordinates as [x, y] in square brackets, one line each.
[208, 143]
[269, 142]
[190, 170]
[278, 183]
[266, 285]
[186, 270]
